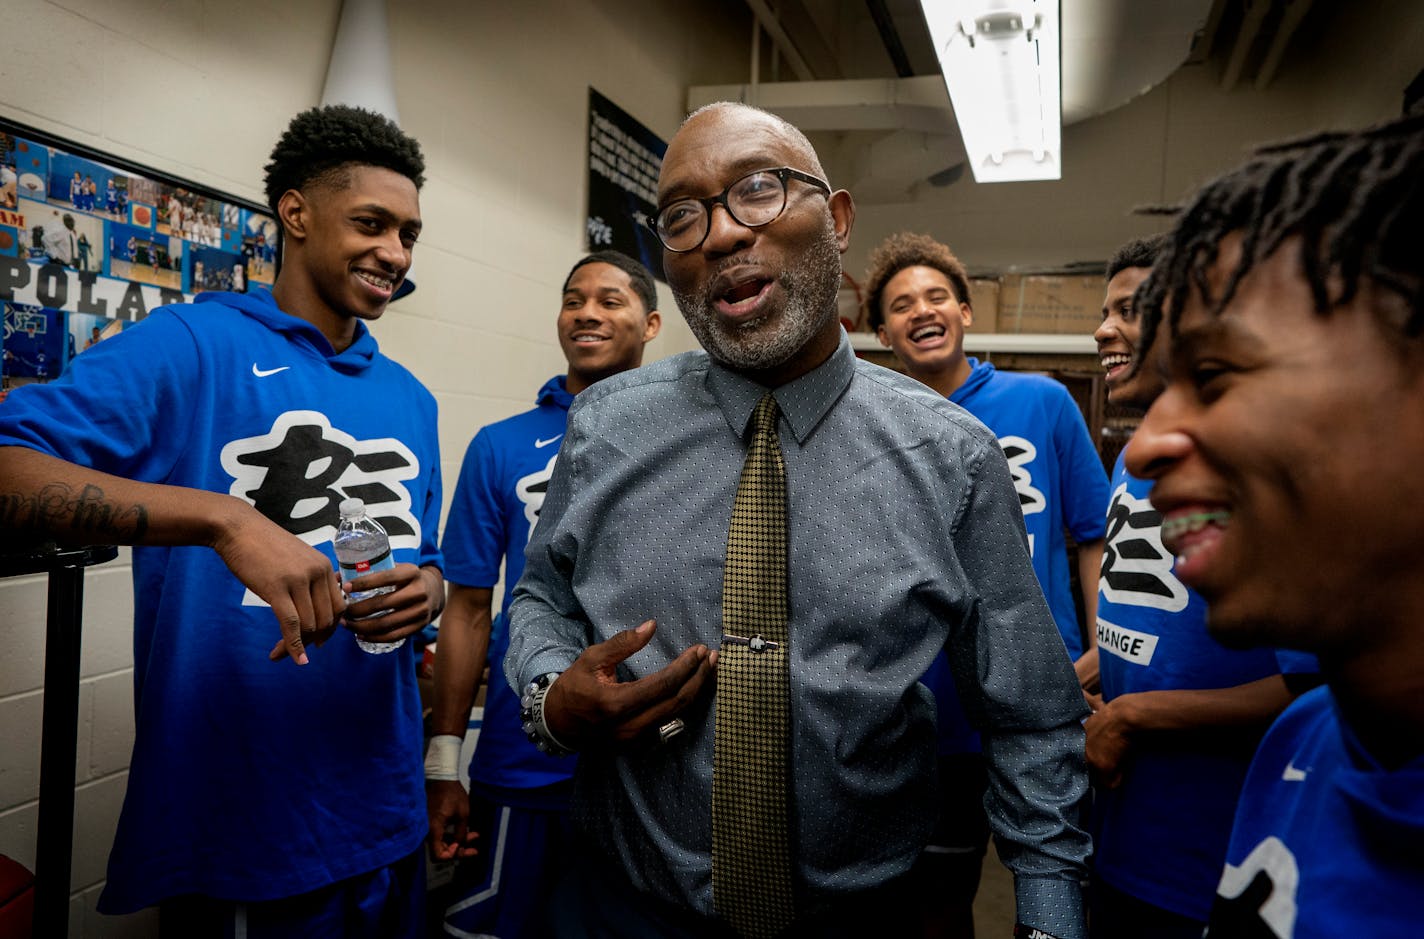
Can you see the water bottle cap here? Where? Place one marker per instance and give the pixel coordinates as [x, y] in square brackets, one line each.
[352, 507]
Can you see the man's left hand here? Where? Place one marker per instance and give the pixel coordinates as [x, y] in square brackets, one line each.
[1107, 742]
[417, 600]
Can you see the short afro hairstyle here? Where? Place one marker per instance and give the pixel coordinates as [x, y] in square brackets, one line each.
[903, 250]
[1356, 201]
[639, 275]
[320, 144]
[1139, 252]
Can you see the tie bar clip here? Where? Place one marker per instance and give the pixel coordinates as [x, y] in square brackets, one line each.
[755, 643]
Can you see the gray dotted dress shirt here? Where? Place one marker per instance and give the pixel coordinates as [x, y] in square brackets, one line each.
[905, 536]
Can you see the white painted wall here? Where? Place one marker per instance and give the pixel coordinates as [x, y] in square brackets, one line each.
[497, 94]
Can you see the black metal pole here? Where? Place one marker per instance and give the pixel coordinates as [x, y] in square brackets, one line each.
[55, 839]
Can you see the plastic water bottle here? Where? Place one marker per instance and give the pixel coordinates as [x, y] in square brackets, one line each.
[362, 547]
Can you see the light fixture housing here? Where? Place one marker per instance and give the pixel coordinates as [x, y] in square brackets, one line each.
[1001, 63]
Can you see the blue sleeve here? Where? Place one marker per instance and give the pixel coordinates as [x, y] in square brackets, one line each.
[430, 554]
[1297, 663]
[119, 407]
[475, 531]
[1082, 482]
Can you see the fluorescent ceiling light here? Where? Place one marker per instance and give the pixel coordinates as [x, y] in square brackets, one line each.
[1001, 64]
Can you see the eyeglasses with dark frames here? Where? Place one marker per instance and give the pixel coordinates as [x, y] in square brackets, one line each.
[754, 200]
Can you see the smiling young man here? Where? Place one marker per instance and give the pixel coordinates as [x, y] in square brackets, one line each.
[1285, 451]
[518, 799]
[219, 438]
[902, 536]
[917, 301]
[1180, 715]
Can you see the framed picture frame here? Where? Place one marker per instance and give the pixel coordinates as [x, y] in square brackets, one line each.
[90, 243]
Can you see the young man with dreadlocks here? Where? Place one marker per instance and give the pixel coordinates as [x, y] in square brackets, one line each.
[1180, 715]
[1286, 450]
[219, 438]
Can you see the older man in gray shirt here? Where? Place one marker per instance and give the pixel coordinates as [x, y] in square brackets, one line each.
[903, 536]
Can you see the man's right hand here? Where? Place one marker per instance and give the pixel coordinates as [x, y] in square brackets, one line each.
[78, 505]
[447, 806]
[588, 705]
[293, 577]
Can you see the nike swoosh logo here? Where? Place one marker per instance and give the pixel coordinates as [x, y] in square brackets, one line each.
[544, 443]
[264, 372]
[1292, 774]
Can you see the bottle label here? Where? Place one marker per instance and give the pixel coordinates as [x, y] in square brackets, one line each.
[381, 562]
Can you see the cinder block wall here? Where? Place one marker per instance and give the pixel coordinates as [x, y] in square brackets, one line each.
[496, 93]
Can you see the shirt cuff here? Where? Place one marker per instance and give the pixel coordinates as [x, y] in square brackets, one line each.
[1052, 904]
[544, 663]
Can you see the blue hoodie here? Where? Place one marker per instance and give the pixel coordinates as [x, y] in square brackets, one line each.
[252, 780]
[1327, 840]
[1057, 472]
[500, 491]
[1060, 482]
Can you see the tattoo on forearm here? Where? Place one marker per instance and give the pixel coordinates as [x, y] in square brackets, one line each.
[57, 509]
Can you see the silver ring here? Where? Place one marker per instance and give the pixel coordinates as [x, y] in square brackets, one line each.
[671, 729]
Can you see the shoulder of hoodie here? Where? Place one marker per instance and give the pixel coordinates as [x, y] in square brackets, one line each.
[204, 320]
[1024, 381]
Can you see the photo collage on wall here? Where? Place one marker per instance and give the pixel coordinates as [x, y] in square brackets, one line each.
[88, 247]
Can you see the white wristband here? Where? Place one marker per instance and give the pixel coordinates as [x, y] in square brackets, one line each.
[442, 759]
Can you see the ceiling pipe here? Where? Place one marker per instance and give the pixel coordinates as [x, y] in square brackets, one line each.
[1253, 15]
[1290, 21]
[756, 62]
[890, 37]
[777, 32]
[359, 73]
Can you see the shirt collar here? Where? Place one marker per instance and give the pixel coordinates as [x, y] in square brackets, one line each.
[803, 402]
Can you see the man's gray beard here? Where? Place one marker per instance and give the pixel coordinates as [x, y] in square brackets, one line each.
[811, 289]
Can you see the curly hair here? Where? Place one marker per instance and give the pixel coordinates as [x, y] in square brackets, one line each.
[903, 250]
[1355, 199]
[638, 275]
[321, 144]
[1139, 252]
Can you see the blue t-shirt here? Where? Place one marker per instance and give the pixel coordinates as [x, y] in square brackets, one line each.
[1060, 482]
[252, 780]
[1161, 835]
[1327, 842]
[1056, 470]
[497, 501]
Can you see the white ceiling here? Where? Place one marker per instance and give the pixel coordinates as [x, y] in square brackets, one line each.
[887, 125]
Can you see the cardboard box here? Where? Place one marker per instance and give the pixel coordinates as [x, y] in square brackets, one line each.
[984, 301]
[1064, 304]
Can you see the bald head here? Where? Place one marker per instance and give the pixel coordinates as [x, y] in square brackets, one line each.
[739, 114]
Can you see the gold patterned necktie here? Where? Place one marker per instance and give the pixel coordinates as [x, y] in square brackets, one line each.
[751, 853]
